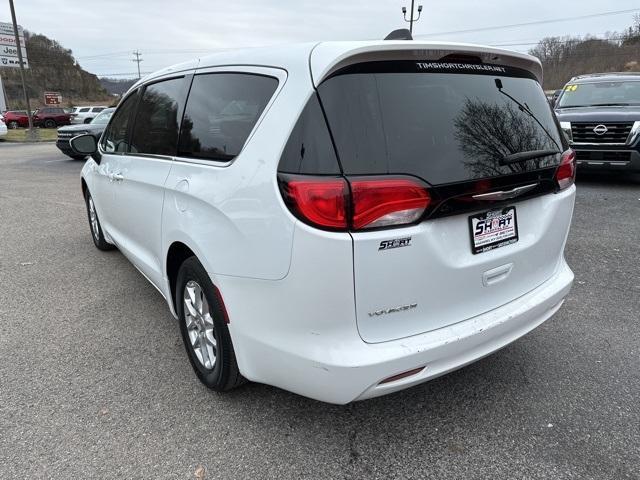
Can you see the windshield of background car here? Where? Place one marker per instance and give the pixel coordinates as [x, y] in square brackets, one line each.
[600, 93]
[103, 117]
[442, 122]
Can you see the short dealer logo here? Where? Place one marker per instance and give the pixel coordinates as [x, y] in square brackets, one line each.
[600, 129]
[395, 243]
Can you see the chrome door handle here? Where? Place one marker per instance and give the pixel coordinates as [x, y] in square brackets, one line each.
[117, 177]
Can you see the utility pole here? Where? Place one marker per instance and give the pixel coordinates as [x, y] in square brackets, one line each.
[31, 133]
[411, 19]
[137, 60]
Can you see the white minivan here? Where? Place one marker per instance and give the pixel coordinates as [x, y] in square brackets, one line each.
[344, 219]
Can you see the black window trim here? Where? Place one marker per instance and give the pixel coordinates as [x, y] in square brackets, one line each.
[277, 73]
[187, 78]
[139, 91]
[136, 93]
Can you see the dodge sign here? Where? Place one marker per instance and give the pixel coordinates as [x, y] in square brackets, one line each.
[9, 48]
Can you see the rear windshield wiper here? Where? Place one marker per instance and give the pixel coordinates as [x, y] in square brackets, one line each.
[525, 108]
[524, 156]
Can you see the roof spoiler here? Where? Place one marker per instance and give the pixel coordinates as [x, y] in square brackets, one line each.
[400, 34]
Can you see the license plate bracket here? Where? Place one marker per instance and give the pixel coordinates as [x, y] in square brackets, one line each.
[493, 229]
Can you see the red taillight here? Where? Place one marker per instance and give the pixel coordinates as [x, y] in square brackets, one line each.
[566, 172]
[383, 202]
[320, 201]
[370, 202]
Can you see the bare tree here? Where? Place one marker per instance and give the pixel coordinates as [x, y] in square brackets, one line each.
[565, 57]
[487, 132]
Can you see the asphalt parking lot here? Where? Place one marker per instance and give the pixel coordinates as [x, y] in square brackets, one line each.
[95, 383]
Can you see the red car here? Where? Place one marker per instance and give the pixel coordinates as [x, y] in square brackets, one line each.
[16, 118]
[51, 117]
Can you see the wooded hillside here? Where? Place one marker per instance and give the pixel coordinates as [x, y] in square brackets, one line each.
[117, 86]
[51, 68]
[565, 57]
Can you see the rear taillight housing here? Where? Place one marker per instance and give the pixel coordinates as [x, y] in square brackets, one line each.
[383, 202]
[357, 203]
[319, 201]
[566, 172]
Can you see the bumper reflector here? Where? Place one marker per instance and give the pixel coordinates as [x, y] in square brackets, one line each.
[399, 376]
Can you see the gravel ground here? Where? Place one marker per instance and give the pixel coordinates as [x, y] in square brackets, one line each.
[94, 381]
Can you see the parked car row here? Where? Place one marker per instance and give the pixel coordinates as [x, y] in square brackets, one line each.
[52, 117]
[81, 115]
[94, 127]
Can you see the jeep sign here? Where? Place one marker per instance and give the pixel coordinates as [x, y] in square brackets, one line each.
[8, 47]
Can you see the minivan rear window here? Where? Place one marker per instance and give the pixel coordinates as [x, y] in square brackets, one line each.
[442, 122]
[221, 112]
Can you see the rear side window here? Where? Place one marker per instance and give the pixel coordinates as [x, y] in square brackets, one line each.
[221, 112]
[115, 138]
[309, 149]
[157, 122]
[442, 122]
[97, 109]
[83, 110]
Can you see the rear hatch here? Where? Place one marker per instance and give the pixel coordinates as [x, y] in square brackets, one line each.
[495, 224]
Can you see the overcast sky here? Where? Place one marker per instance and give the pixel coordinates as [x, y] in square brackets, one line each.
[103, 33]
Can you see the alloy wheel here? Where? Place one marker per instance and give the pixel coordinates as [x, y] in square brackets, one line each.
[199, 322]
[93, 219]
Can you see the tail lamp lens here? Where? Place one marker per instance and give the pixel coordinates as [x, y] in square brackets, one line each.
[319, 201]
[369, 203]
[566, 172]
[385, 202]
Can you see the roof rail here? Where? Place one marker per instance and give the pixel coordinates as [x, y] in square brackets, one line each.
[400, 34]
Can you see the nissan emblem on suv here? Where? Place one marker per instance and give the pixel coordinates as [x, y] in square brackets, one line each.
[600, 129]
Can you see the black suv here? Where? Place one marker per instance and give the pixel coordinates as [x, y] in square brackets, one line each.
[600, 113]
[95, 127]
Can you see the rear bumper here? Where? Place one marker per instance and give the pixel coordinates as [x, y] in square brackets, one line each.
[354, 369]
[611, 160]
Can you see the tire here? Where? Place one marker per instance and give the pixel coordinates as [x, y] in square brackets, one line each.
[13, 125]
[87, 120]
[78, 157]
[220, 371]
[49, 123]
[95, 227]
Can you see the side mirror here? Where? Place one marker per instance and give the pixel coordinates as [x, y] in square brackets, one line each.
[84, 144]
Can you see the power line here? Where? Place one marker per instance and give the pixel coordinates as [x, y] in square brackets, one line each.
[573, 40]
[537, 22]
[102, 55]
[128, 74]
[153, 52]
